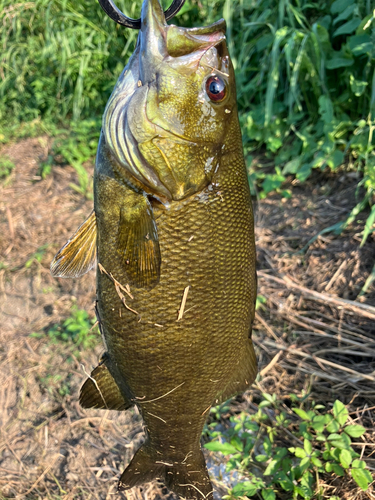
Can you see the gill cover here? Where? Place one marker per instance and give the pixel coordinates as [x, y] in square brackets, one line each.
[159, 123]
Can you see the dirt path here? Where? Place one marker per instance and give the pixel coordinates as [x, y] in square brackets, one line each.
[49, 446]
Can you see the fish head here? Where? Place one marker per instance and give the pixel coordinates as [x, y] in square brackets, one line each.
[168, 116]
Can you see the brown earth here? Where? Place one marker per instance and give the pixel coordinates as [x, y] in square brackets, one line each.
[51, 448]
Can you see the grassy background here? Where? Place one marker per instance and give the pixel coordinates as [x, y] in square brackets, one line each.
[305, 76]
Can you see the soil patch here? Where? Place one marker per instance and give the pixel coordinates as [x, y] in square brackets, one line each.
[323, 343]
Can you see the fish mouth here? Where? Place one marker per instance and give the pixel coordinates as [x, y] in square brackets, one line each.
[137, 132]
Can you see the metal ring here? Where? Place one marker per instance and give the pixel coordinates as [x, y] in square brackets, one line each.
[115, 13]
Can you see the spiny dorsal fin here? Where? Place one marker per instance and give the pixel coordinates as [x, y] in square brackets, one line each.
[138, 243]
[78, 255]
[101, 391]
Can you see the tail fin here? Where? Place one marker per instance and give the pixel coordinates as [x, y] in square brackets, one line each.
[188, 478]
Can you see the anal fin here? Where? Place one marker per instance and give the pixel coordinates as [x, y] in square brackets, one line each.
[102, 392]
[78, 255]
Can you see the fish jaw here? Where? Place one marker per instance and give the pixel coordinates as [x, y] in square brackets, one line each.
[159, 124]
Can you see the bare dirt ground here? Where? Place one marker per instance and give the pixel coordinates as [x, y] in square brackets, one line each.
[313, 333]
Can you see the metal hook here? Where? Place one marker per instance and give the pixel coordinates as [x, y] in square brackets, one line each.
[115, 13]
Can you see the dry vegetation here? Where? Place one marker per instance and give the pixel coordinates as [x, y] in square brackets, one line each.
[51, 448]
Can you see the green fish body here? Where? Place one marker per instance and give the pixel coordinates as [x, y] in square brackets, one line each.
[172, 233]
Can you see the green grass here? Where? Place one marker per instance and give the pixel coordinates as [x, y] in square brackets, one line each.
[305, 78]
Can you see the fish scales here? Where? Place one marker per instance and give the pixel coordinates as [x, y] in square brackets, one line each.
[173, 229]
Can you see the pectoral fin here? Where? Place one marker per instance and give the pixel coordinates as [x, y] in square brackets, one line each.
[138, 243]
[101, 391]
[78, 255]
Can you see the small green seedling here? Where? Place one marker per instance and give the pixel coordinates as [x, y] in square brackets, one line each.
[78, 330]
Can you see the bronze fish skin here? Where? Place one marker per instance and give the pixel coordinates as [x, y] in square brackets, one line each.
[173, 231]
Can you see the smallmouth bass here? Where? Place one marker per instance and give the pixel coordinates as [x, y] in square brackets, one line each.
[172, 235]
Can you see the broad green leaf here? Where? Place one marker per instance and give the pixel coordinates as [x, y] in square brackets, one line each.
[246, 488]
[267, 445]
[357, 86]
[328, 467]
[348, 27]
[264, 404]
[333, 426]
[299, 452]
[335, 453]
[339, 62]
[304, 172]
[225, 448]
[271, 183]
[307, 446]
[292, 166]
[359, 464]
[340, 412]
[302, 414]
[362, 477]
[280, 453]
[261, 458]
[334, 437]
[316, 462]
[268, 494]
[340, 5]
[360, 44]
[305, 462]
[237, 443]
[340, 444]
[338, 470]
[345, 458]
[354, 430]
[269, 397]
[318, 423]
[324, 22]
[345, 14]
[335, 159]
[326, 109]
[271, 468]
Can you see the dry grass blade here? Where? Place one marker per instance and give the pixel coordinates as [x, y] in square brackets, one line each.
[118, 288]
[183, 303]
[23, 495]
[356, 307]
[320, 360]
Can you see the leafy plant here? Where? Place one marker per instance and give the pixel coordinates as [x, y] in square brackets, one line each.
[305, 74]
[306, 79]
[77, 330]
[6, 166]
[254, 446]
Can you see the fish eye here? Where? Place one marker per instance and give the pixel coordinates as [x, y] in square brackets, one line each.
[216, 88]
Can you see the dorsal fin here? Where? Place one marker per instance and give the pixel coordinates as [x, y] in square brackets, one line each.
[78, 255]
